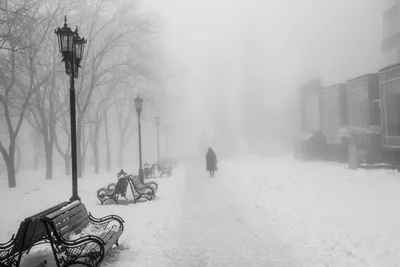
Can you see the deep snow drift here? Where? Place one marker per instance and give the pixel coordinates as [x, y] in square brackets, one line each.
[255, 212]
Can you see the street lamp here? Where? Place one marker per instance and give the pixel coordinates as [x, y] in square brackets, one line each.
[157, 121]
[71, 48]
[167, 127]
[138, 106]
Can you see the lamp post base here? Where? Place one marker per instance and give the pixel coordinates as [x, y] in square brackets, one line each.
[74, 198]
[141, 176]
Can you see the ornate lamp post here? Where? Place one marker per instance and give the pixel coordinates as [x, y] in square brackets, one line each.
[71, 48]
[138, 106]
[167, 127]
[157, 121]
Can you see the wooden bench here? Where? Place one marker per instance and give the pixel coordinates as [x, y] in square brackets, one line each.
[113, 191]
[152, 185]
[139, 190]
[31, 232]
[149, 171]
[165, 171]
[76, 237]
[161, 170]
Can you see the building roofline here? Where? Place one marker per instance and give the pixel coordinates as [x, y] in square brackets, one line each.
[391, 66]
[333, 85]
[361, 76]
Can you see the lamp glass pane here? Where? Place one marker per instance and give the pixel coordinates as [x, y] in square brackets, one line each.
[78, 50]
[70, 41]
[83, 48]
[59, 42]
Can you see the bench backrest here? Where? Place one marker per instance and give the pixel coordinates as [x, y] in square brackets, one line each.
[32, 230]
[154, 167]
[122, 185]
[137, 183]
[71, 219]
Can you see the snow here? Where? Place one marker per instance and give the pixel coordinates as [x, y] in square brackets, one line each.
[255, 212]
[90, 229]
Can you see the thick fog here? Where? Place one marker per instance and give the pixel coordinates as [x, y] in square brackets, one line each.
[229, 73]
[236, 64]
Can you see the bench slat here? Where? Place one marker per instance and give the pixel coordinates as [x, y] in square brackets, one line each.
[66, 213]
[60, 211]
[72, 220]
[70, 217]
[49, 210]
[75, 227]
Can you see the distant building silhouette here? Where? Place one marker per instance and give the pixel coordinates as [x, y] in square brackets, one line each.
[391, 32]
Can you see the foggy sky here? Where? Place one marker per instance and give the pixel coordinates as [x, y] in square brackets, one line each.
[217, 44]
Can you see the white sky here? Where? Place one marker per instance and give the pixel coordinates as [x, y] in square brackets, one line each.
[325, 35]
[278, 44]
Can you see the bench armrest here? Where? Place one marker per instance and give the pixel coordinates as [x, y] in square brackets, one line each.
[85, 239]
[76, 242]
[108, 219]
[8, 244]
[150, 188]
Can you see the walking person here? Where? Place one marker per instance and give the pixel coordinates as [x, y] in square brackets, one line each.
[211, 160]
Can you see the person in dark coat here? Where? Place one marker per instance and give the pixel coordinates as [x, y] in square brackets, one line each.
[211, 160]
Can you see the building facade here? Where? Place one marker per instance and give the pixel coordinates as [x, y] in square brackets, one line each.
[391, 32]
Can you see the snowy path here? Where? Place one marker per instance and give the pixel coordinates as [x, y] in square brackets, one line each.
[257, 212]
[200, 223]
[216, 229]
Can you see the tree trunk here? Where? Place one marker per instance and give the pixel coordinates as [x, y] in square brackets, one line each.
[37, 152]
[91, 141]
[96, 157]
[65, 155]
[121, 150]
[18, 153]
[108, 150]
[67, 164]
[120, 156]
[10, 162]
[95, 148]
[12, 183]
[48, 150]
[36, 156]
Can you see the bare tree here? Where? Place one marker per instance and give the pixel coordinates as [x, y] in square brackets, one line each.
[106, 34]
[107, 138]
[98, 112]
[63, 124]
[43, 111]
[125, 110]
[37, 148]
[23, 34]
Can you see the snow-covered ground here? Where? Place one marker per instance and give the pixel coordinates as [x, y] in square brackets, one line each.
[255, 212]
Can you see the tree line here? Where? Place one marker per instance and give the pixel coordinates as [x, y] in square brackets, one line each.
[120, 60]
